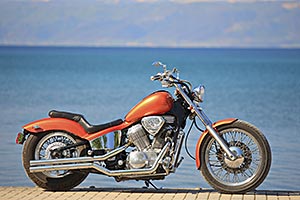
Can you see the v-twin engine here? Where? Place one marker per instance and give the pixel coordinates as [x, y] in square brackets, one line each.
[144, 155]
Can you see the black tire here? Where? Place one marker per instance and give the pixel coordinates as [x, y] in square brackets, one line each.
[242, 175]
[45, 180]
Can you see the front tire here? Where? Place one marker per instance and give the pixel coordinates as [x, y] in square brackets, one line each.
[245, 173]
[39, 147]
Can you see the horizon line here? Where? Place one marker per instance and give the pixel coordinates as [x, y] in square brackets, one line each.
[148, 47]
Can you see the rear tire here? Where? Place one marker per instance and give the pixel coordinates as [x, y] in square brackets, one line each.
[244, 174]
[37, 147]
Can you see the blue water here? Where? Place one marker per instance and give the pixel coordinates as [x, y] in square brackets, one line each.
[261, 86]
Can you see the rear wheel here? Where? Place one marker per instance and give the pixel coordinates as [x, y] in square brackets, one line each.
[40, 147]
[245, 173]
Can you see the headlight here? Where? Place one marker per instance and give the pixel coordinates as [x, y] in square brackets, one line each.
[198, 93]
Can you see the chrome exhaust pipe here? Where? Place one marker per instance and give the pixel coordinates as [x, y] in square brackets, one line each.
[99, 168]
[77, 160]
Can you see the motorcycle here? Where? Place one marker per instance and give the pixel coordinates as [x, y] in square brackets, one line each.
[60, 151]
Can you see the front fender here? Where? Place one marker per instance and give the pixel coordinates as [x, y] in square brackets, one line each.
[49, 124]
[204, 134]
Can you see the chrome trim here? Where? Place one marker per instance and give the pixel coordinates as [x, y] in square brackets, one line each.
[199, 93]
[153, 129]
[78, 159]
[237, 162]
[159, 64]
[83, 164]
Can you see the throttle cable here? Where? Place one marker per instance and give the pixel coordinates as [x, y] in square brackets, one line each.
[186, 139]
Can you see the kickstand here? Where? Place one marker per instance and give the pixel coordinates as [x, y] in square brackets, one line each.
[148, 183]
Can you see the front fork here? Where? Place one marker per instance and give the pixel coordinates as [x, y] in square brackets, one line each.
[207, 123]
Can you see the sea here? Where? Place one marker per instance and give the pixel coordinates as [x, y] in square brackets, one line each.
[261, 86]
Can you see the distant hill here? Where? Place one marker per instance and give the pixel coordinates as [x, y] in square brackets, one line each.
[150, 23]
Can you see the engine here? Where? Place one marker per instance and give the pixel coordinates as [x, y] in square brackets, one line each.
[148, 138]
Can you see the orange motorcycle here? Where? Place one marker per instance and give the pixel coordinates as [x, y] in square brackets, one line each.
[60, 151]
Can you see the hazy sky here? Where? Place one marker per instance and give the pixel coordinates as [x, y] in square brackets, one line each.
[155, 23]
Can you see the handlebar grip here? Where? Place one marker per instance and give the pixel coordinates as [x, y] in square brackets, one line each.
[154, 78]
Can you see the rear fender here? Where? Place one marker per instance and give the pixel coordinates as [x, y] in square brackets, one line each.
[205, 133]
[50, 124]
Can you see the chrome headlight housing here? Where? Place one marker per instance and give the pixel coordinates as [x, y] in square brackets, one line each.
[198, 93]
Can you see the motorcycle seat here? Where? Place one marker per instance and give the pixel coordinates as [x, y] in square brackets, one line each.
[89, 128]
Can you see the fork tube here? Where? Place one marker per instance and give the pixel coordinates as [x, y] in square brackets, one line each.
[207, 123]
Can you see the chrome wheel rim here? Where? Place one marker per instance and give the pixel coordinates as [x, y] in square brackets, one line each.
[53, 141]
[244, 168]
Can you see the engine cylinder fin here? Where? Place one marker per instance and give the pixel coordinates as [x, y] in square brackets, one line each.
[138, 137]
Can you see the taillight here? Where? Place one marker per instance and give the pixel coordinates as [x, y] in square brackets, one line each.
[20, 138]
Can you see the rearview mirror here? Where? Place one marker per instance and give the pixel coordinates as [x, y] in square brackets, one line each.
[157, 64]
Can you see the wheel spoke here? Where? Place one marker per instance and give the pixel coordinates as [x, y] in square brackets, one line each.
[236, 178]
[231, 135]
[227, 177]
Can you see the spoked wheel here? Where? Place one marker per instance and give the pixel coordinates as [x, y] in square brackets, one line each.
[250, 168]
[41, 147]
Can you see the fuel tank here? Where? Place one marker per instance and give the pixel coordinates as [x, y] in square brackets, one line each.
[156, 103]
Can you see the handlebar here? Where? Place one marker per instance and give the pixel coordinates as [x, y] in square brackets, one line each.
[155, 77]
[168, 79]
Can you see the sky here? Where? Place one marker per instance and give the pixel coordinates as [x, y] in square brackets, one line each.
[151, 23]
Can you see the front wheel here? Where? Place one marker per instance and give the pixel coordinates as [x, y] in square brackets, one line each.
[250, 168]
[41, 146]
